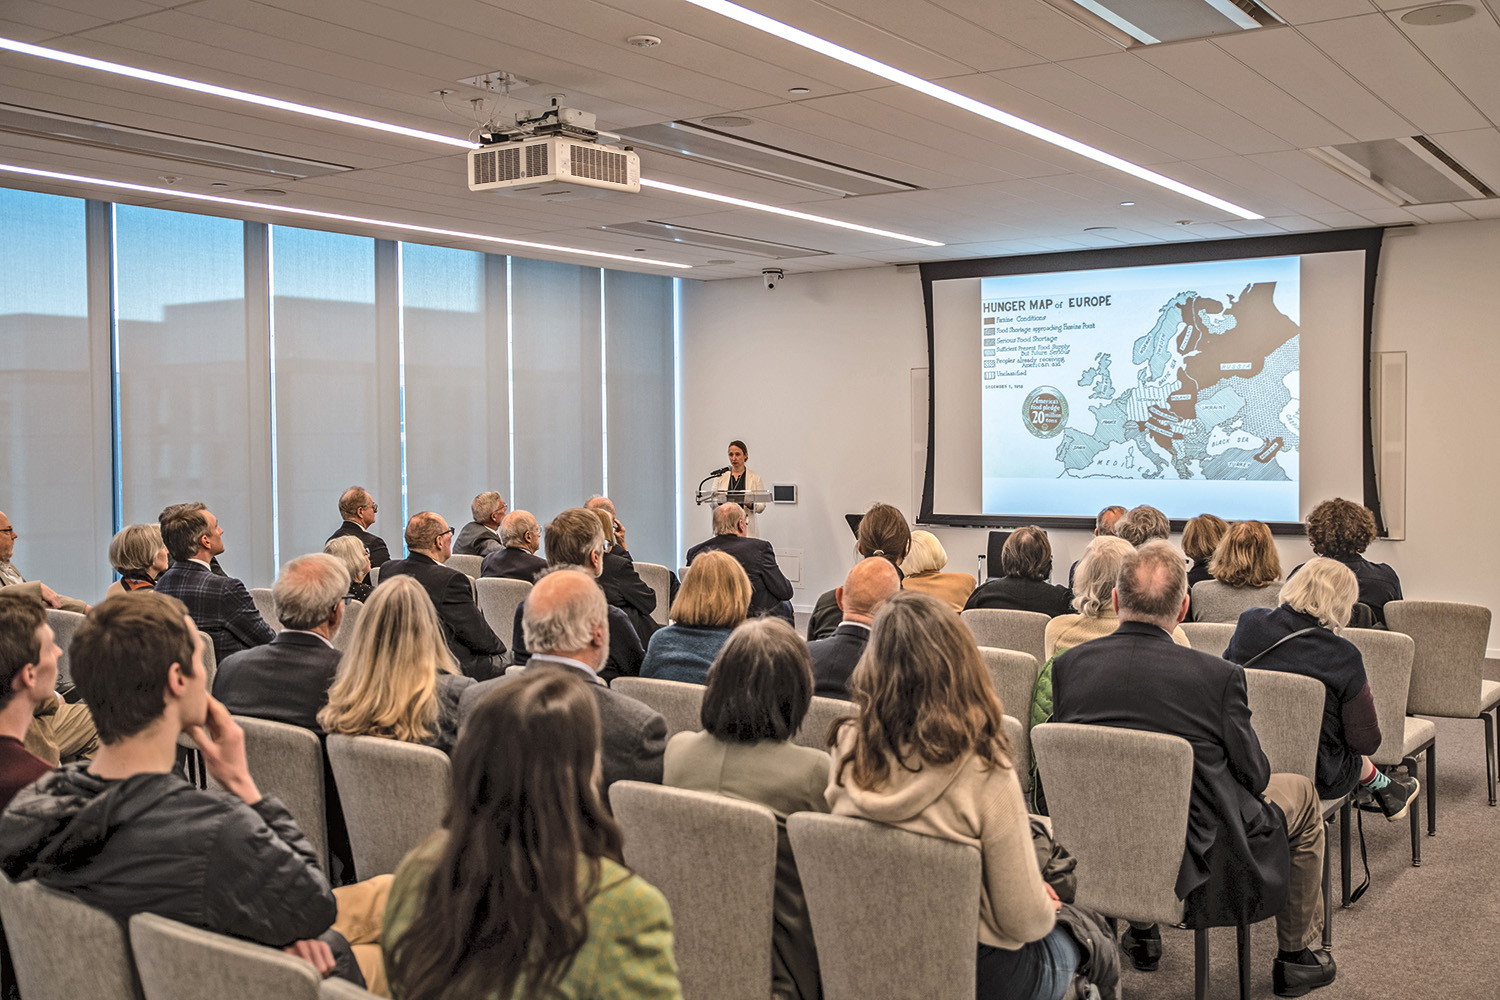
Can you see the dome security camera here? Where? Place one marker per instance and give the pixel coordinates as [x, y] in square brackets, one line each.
[772, 277]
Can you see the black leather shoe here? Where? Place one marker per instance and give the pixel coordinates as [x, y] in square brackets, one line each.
[1293, 979]
[1143, 947]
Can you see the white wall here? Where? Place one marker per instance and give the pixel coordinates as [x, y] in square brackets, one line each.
[816, 378]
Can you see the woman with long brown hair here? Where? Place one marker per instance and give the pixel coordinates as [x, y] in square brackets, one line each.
[523, 892]
[927, 753]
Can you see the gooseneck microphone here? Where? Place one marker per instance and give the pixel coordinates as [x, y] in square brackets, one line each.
[719, 472]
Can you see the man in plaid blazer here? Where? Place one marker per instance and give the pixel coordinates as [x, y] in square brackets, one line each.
[220, 605]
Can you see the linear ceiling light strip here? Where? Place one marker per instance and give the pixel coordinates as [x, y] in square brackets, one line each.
[331, 216]
[849, 57]
[789, 213]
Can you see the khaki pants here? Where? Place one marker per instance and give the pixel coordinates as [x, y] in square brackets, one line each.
[1299, 924]
[361, 912]
[61, 732]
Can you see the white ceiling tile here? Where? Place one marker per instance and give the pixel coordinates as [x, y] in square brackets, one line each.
[49, 18]
[1488, 209]
[1440, 213]
[1318, 177]
[1305, 11]
[1465, 52]
[1034, 25]
[1478, 150]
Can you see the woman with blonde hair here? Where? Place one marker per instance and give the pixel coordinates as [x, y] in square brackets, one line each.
[139, 555]
[1246, 574]
[397, 679]
[1301, 637]
[923, 567]
[927, 753]
[713, 600]
[356, 559]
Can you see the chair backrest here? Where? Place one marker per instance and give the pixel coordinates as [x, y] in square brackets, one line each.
[65, 625]
[1286, 712]
[819, 717]
[178, 962]
[1014, 676]
[993, 548]
[659, 579]
[352, 610]
[341, 989]
[287, 762]
[62, 949]
[1388, 659]
[393, 794]
[468, 565]
[1210, 637]
[498, 599]
[888, 907]
[1020, 747]
[1005, 629]
[679, 703]
[266, 605]
[1119, 801]
[374, 575]
[210, 659]
[1448, 664]
[714, 858]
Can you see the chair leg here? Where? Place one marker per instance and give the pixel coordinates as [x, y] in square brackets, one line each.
[1432, 790]
[1489, 750]
[1327, 894]
[1242, 932]
[1346, 861]
[1410, 763]
[1200, 964]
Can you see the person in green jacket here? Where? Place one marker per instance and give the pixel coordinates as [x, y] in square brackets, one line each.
[523, 893]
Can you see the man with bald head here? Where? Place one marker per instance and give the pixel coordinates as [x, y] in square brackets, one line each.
[869, 584]
[566, 625]
[769, 587]
[516, 559]
[358, 509]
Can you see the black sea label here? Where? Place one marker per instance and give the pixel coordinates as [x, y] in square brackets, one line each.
[1045, 412]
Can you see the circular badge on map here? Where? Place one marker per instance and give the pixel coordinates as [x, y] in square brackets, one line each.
[1045, 412]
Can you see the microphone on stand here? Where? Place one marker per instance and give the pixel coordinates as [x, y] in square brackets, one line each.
[719, 472]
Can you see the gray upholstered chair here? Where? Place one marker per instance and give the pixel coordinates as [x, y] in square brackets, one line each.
[210, 659]
[874, 894]
[514, 669]
[266, 605]
[466, 564]
[188, 755]
[659, 579]
[1447, 670]
[342, 989]
[62, 949]
[1020, 745]
[819, 718]
[1004, 629]
[178, 962]
[1119, 801]
[498, 599]
[1210, 637]
[287, 762]
[65, 625]
[714, 858]
[1014, 675]
[1404, 739]
[374, 575]
[679, 703]
[352, 610]
[393, 794]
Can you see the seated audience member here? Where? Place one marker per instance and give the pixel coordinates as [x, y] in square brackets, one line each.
[219, 605]
[616, 531]
[883, 532]
[139, 555]
[12, 582]
[358, 509]
[28, 674]
[1093, 599]
[398, 679]
[480, 536]
[1104, 524]
[758, 693]
[622, 585]
[1025, 565]
[429, 543]
[1341, 530]
[1300, 637]
[869, 584]
[1246, 574]
[1255, 840]
[924, 571]
[524, 891]
[714, 599]
[128, 834]
[567, 624]
[575, 540]
[350, 551]
[770, 590]
[516, 559]
[1143, 524]
[927, 753]
[287, 679]
[1200, 537]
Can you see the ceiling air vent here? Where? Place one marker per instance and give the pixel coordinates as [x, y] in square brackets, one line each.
[1405, 171]
[742, 246]
[1147, 22]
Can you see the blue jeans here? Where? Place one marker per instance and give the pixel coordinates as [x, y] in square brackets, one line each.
[1041, 970]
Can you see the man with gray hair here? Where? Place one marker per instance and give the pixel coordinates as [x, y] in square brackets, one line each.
[1143, 524]
[770, 590]
[1255, 839]
[478, 537]
[516, 559]
[623, 586]
[358, 509]
[566, 624]
[287, 679]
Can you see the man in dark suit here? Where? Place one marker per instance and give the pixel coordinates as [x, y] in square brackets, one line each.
[219, 605]
[769, 587]
[358, 509]
[516, 559]
[623, 586]
[869, 584]
[287, 680]
[1255, 839]
[478, 537]
[565, 618]
[475, 645]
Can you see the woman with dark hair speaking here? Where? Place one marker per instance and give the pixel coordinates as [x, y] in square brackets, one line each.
[523, 893]
[739, 479]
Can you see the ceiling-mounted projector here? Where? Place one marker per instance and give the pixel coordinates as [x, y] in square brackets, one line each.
[554, 155]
